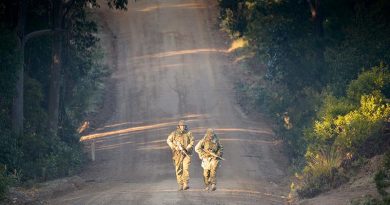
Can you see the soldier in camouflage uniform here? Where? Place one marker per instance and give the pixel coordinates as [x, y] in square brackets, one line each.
[210, 152]
[181, 143]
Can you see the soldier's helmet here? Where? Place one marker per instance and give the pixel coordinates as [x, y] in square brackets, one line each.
[182, 123]
[210, 132]
[210, 135]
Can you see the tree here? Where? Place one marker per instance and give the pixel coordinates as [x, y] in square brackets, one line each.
[17, 107]
[61, 10]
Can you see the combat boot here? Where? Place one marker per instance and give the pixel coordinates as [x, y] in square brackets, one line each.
[180, 187]
[213, 187]
[185, 187]
[207, 188]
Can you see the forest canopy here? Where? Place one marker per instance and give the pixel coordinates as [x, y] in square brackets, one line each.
[320, 70]
[52, 74]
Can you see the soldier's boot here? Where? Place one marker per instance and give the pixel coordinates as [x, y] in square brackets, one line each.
[207, 188]
[185, 186]
[213, 187]
[180, 187]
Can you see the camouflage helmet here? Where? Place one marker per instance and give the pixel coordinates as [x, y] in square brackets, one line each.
[210, 134]
[209, 131]
[182, 123]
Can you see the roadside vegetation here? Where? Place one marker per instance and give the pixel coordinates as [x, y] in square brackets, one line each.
[51, 80]
[320, 70]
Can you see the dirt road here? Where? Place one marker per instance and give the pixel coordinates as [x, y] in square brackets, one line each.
[170, 64]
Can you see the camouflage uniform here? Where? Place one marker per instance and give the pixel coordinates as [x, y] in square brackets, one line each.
[181, 161]
[209, 143]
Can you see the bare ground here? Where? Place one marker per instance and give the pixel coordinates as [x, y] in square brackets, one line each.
[360, 186]
[170, 63]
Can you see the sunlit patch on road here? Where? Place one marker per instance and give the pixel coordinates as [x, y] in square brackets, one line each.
[173, 6]
[113, 146]
[251, 141]
[257, 131]
[181, 52]
[119, 124]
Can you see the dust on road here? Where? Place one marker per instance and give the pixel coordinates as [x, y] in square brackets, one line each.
[170, 64]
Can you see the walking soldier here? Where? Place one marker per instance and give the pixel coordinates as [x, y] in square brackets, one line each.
[181, 143]
[210, 152]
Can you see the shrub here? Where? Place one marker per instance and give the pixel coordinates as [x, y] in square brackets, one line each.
[5, 181]
[321, 173]
[375, 80]
[368, 201]
[345, 126]
[59, 160]
[382, 178]
[357, 126]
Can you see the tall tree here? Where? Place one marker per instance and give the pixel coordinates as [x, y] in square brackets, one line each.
[61, 9]
[55, 72]
[17, 106]
[23, 38]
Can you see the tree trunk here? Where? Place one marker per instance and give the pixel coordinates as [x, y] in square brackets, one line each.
[55, 72]
[317, 16]
[17, 103]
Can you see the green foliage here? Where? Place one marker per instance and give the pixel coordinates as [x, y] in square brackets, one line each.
[382, 177]
[233, 16]
[64, 160]
[369, 201]
[357, 126]
[4, 183]
[10, 150]
[8, 62]
[321, 173]
[8, 67]
[345, 127]
[307, 75]
[6, 179]
[376, 80]
[37, 155]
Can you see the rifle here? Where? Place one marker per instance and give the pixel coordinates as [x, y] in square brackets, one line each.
[213, 154]
[182, 150]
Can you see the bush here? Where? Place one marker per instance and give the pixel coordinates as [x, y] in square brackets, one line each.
[345, 126]
[321, 173]
[60, 159]
[354, 128]
[382, 178]
[375, 80]
[369, 201]
[5, 181]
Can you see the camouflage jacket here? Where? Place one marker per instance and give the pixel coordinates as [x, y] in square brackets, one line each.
[205, 146]
[185, 139]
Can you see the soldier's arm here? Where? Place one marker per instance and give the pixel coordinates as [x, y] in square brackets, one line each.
[170, 142]
[199, 149]
[220, 150]
[191, 144]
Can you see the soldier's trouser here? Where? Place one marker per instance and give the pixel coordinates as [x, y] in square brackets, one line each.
[210, 175]
[182, 167]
